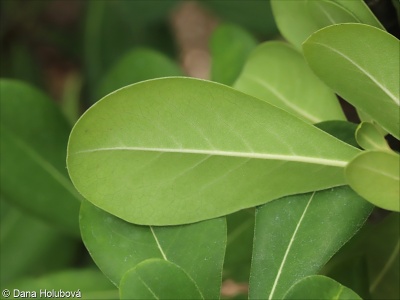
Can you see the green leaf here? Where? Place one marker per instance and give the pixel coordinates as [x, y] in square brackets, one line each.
[230, 46]
[91, 284]
[180, 150]
[356, 73]
[112, 28]
[138, 65]
[269, 69]
[28, 246]
[375, 176]
[298, 19]
[239, 245]
[383, 258]
[342, 130]
[370, 138]
[158, 279]
[295, 236]
[254, 16]
[34, 136]
[375, 253]
[320, 288]
[117, 246]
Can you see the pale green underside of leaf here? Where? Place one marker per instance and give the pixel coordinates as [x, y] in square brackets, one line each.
[158, 279]
[375, 176]
[117, 246]
[292, 239]
[278, 74]
[298, 19]
[368, 77]
[320, 288]
[179, 150]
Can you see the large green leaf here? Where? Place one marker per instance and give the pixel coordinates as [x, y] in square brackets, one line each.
[117, 246]
[230, 46]
[278, 74]
[375, 176]
[320, 288]
[48, 250]
[367, 77]
[180, 150]
[137, 65]
[34, 137]
[159, 279]
[295, 236]
[84, 283]
[298, 19]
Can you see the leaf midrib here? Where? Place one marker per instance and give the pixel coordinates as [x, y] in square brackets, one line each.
[213, 152]
[163, 253]
[293, 237]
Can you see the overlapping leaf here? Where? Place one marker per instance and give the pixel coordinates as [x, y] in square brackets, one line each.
[320, 288]
[375, 175]
[117, 246]
[368, 77]
[180, 150]
[295, 236]
[370, 138]
[298, 19]
[278, 74]
[159, 279]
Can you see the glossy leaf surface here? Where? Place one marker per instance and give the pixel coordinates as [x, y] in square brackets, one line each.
[278, 74]
[34, 137]
[91, 284]
[370, 138]
[368, 78]
[137, 65]
[298, 19]
[158, 279]
[180, 150]
[375, 176]
[320, 288]
[296, 235]
[230, 46]
[117, 246]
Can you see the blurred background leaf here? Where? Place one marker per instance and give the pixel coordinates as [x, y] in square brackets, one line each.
[34, 136]
[29, 246]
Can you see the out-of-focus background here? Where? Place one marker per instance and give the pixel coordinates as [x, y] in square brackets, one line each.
[57, 44]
